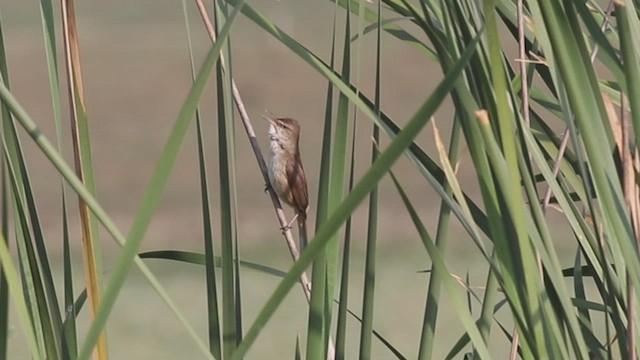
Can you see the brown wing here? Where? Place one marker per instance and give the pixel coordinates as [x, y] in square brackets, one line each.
[298, 186]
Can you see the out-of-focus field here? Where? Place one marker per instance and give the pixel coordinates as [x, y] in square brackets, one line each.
[136, 73]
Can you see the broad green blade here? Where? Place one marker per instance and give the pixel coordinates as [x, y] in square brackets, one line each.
[230, 304]
[201, 259]
[341, 326]
[629, 32]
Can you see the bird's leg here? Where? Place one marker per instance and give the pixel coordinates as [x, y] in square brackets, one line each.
[288, 226]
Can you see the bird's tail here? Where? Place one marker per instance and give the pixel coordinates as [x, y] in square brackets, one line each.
[302, 232]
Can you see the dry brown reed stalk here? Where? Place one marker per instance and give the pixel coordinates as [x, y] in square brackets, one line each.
[78, 110]
[631, 197]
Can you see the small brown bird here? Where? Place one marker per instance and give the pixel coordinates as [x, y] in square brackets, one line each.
[286, 174]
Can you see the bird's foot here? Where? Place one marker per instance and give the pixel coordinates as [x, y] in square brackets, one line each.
[285, 228]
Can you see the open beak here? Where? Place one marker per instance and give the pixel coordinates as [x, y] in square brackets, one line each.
[271, 118]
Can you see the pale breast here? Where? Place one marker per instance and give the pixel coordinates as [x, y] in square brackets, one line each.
[278, 177]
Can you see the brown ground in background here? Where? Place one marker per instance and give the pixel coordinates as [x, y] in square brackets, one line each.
[136, 73]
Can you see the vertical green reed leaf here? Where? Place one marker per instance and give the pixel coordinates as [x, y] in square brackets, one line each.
[341, 328]
[213, 318]
[237, 293]
[324, 181]
[298, 353]
[490, 293]
[325, 266]
[338, 162]
[316, 345]
[629, 31]
[325, 154]
[48, 28]
[4, 286]
[368, 296]
[228, 85]
[630, 55]
[227, 222]
[69, 333]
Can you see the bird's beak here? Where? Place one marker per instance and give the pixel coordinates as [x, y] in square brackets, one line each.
[271, 119]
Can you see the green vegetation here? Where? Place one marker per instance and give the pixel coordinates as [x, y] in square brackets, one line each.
[532, 121]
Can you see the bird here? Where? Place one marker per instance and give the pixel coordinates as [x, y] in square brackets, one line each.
[286, 173]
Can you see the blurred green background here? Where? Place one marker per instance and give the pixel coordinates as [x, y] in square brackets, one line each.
[136, 74]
